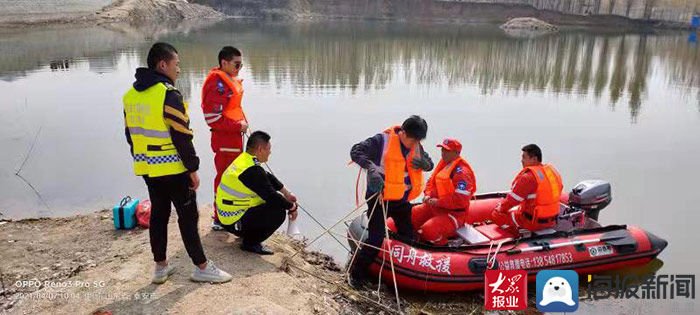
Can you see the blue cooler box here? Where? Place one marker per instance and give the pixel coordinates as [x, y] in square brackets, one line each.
[124, 213]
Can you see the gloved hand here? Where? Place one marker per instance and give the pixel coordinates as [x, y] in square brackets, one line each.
[375, 178]
[422, 163]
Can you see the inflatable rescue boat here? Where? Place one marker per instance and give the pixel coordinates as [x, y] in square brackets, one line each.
[577, 242]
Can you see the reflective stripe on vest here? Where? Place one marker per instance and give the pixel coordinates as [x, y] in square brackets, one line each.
[153, 151]
[442, 178]
[233, 198]
[233, 109]
[544, 204]
[397, 167]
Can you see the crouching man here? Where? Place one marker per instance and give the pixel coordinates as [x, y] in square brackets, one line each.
[251, 203]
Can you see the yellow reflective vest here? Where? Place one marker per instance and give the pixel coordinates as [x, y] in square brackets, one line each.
[233, 198]
[153, 150]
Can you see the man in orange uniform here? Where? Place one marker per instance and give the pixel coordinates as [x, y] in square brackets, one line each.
[447, 196]
[395, 161]
[221, 103]
[536, 190]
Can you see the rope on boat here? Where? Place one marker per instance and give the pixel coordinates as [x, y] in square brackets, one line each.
[321, 225]
[334, 225]
[248, 133]
[338, 285]
[358, 242]
[391, 259]
[328, 231]
[491, 260]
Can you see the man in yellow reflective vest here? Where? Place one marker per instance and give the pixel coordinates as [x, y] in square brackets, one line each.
[250, 202]
[395, 162]
[157, 130]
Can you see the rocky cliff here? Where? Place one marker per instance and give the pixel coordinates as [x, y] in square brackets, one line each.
[664, 12]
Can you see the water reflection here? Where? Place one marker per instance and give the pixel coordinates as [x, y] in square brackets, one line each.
[334, 57]
[614, 67]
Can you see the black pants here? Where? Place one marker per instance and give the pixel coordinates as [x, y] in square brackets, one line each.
[174, 189]
[257, 224]
[400, 211]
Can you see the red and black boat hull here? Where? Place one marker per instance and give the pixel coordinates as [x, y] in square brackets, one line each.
[420, 266]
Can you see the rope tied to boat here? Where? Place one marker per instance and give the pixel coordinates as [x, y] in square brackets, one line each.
[248, 133]
[491, 260]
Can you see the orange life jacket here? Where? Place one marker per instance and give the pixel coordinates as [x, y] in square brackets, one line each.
[233, 109]
[442, 180]
[545, 203]
[396, 166]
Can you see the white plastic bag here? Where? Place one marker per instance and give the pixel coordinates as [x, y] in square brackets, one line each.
[293, 228]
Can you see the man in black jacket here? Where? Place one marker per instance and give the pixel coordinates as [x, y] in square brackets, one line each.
[160, 140]
[371, 154]
[245, 182]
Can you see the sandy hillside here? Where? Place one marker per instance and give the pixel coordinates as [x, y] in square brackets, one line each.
[41, 12]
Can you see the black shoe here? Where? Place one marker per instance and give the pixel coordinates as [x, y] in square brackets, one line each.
[358, 284]
[216, 226]
[358, 280]
[259, 249]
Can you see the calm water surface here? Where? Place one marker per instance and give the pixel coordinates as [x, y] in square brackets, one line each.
[624, 107]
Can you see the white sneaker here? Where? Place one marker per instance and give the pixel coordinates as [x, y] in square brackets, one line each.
[161, 273]
[210, 274]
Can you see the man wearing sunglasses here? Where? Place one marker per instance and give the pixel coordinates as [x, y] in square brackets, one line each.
[221, 104]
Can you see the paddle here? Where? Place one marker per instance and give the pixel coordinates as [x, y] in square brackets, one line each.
[552, 246]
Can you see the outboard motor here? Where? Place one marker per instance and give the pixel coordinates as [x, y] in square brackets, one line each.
[591, 196]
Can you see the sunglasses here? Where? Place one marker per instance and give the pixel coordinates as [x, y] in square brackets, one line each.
[238, 65]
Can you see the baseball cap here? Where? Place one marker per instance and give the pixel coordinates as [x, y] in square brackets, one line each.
[450, 144]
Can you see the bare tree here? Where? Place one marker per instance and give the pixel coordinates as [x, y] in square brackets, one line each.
[649, 5]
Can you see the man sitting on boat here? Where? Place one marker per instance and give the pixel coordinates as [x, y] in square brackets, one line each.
[447, 195]
[536, 190]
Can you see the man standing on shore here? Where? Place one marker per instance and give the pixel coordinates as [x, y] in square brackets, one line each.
[221, 104]
[157, 130]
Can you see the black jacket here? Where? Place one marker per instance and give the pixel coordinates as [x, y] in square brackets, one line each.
[369, 152]
[175, 117]
[266, 186]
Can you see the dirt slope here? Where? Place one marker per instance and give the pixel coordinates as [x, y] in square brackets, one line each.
[79, 265]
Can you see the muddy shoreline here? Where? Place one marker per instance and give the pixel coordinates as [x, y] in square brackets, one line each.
[81, 264]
